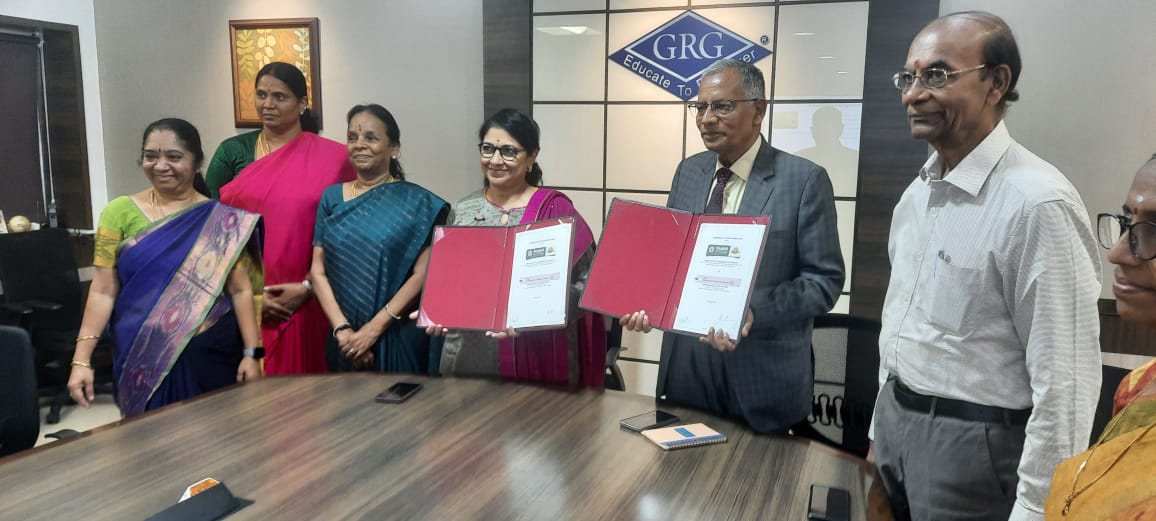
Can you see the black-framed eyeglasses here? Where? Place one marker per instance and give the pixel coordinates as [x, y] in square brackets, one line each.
[508, 152]
[1110, 228]
[721, 107]
[931, 78]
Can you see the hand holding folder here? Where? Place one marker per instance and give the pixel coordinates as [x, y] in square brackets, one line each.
[689, 273]
[499, 278]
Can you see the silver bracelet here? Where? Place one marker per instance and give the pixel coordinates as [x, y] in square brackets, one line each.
[308, 285]
[390, 313]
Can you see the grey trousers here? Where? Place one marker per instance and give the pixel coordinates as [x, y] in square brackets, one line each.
[937, 468]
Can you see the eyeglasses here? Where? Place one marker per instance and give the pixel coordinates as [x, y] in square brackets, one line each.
[1141, 235]
[721, 107]
[931, 78]
[508, 152]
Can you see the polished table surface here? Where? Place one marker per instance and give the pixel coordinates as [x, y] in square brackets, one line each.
[319, 447]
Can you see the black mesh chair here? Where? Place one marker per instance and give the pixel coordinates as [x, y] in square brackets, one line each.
[43, 292]
[846, 354]
[19, 404]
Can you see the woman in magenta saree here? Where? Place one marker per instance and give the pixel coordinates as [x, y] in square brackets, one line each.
[574, 355]
[293, 167]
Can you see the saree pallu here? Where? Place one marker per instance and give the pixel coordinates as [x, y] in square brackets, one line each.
[371, 243]
[545, 356]
[285, 188]
[172, 278]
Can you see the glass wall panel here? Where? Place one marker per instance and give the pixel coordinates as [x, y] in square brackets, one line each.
[645, 4]
[589, 205]
[826, 133]
[571, 144]
[643, 145]
[569, 57]
[846, 217]
[547, 6]
[821, 49]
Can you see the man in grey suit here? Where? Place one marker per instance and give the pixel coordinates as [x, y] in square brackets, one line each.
[764, 375]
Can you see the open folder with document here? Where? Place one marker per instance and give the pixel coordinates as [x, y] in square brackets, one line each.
[688, 272]
[497, 277]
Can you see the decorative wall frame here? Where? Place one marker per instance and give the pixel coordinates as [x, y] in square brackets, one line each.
[255, 43]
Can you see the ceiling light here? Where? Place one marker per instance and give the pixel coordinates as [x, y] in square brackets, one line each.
[826, 57]
[804, 34]
[568, 30]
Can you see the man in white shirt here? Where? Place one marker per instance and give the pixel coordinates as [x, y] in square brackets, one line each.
[989, 353]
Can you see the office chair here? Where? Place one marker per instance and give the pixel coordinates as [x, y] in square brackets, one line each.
[1112, 376]
[845, 350]
[19, 404]
[42, 289]
[614, 380]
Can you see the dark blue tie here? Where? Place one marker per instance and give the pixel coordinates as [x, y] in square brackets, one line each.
[715, 203]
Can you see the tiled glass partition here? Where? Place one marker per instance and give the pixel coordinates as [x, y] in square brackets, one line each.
[608, 132]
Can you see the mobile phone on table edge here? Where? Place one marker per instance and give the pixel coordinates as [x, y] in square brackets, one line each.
[650, 420]
[398, 392]
[829, 504]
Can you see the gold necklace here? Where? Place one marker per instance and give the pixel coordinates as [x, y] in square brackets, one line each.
[1111, 425]
[158, 212]
[263, 144]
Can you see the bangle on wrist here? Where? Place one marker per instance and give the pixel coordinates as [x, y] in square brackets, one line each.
[87, 337]
[308, 285]
[341, 327]
[390, 313]
[81, 364]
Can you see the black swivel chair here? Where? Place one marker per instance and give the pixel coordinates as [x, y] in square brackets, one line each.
[846, 354]
[19, 403]
[42, 288]
[614, 380]
[1112, 376]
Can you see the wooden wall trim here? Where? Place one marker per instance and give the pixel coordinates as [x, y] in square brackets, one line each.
[507, 55]
[888, 156]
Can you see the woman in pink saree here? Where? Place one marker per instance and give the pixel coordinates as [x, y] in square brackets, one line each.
[280, 172]
[574, 355]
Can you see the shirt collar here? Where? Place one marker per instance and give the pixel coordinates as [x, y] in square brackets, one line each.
[745, 163]
[971, 173]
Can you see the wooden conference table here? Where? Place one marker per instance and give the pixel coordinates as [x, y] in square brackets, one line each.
[319, 447]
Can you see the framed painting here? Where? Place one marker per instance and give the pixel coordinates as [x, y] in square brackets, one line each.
[256, 43]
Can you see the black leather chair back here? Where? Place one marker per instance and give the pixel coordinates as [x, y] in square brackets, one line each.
[40, 266]
[19, 404]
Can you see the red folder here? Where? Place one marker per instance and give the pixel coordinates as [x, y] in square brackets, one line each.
[643, 257]
[467, 285]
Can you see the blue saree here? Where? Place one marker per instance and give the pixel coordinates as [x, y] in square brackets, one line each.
[172, 279]
[371, 243]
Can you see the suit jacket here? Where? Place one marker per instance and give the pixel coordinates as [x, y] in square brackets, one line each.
[768, 379]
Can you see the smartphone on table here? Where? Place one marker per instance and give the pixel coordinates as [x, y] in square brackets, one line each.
[398, 392]
[829, 504]
[650, 420]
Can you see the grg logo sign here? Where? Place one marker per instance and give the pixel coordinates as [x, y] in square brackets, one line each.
[674, 55]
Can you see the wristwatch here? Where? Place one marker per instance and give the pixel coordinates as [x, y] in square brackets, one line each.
[341, 327]
[255, 352]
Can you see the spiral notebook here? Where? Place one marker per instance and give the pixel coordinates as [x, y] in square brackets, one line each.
[681, 436]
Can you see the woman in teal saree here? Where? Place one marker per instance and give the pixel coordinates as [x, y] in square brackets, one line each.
[370, 252]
